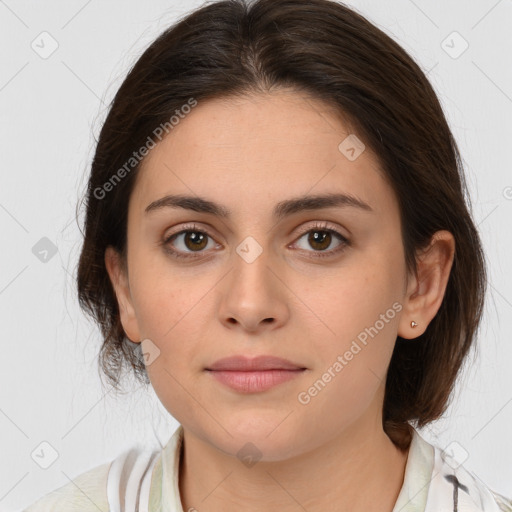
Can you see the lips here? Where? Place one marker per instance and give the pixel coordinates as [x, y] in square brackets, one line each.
[260, 363]
[256, 375]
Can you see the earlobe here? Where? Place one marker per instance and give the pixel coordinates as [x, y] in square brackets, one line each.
[411, 323]
[119, 279]
[425, 291]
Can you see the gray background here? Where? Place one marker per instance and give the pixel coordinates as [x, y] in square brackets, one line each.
[50, 107]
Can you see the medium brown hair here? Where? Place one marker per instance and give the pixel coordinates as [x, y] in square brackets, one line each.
[327, 50]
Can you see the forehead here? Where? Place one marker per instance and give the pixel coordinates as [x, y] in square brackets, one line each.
[257, 148]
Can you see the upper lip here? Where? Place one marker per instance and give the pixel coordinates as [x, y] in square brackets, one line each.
[260, 363]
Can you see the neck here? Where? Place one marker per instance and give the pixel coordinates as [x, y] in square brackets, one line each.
[357, 470]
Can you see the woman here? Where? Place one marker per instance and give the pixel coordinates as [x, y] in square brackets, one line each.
[277, 239]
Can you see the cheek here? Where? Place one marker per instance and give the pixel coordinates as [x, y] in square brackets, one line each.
[162, 296]
[171, 311]
[170, 314]
[349, 300]
[358, 312]
[352, 362]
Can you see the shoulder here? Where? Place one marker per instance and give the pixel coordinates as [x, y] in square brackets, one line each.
[436, 480]
[85, 492]
[453, 483]
[124, 480]
[505, 504]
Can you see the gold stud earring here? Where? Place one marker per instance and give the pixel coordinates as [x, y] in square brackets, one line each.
[413, 324]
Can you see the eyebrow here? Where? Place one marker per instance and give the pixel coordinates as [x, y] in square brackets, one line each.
[281, 210]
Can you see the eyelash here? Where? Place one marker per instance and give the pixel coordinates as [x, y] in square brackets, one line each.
[319, 226]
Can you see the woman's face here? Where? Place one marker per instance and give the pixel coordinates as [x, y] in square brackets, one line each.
[256, 283]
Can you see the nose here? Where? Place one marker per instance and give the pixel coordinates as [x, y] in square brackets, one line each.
[254, 296]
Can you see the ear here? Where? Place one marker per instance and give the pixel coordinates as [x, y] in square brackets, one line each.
[425, 291]
[119, 278]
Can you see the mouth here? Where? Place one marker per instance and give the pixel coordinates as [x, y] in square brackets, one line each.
[255, 375]
[254, 382]
[255, 364]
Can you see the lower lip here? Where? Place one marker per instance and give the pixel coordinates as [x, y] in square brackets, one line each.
[254, 382]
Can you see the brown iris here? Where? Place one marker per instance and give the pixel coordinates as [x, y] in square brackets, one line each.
[197, 240]
[318, 237]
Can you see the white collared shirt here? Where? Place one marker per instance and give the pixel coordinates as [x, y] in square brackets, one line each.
[147, 481]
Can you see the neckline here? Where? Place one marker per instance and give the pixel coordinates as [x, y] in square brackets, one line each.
[418, 473]
[411, 498]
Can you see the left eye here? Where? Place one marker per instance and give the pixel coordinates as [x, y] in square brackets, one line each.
[321, 238]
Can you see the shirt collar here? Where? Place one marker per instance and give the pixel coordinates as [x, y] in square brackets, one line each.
[417, 476]
[165, 494]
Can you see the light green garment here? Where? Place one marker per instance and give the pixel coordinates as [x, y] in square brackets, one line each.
[89, 491]
[86, 492]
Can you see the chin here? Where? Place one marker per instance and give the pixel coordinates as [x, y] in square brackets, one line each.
[258, 439]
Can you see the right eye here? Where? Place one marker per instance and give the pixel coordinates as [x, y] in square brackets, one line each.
[189, 240]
